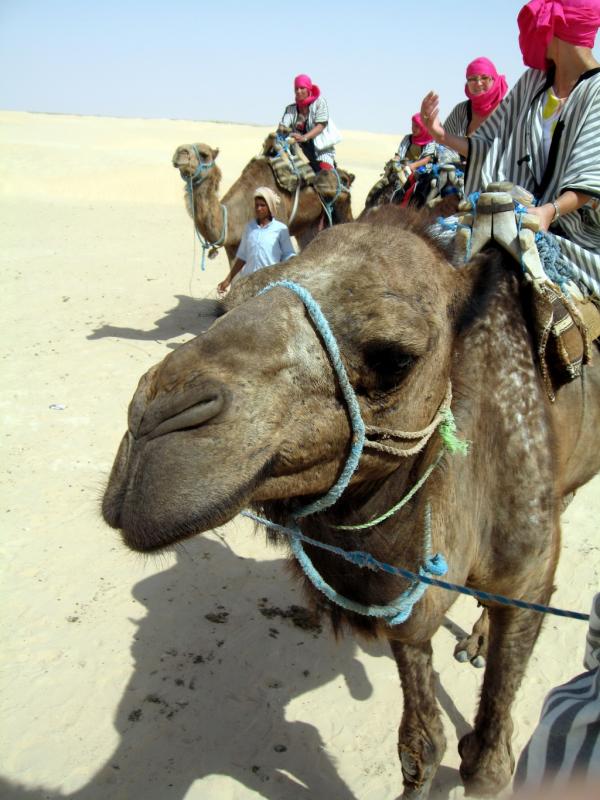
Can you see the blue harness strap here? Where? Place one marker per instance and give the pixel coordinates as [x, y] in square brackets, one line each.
[356, 420]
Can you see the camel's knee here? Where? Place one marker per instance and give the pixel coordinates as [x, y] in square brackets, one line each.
[486, 767]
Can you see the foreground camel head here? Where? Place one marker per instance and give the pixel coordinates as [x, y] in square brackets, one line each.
[250, 412]
[188, 157]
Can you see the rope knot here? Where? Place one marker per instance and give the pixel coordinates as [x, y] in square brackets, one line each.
[436, 565]
[448, 433]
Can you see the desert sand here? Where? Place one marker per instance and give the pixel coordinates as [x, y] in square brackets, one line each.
[178, 676]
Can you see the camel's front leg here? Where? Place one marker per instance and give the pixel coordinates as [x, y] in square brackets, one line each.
[487, 758]
[421, 740]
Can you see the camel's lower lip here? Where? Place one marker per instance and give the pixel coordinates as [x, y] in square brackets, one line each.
[195, 503]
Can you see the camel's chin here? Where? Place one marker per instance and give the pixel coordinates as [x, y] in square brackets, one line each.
[154, 526]
[145, 539]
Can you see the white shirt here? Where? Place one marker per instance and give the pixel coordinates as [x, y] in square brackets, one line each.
[263, 246]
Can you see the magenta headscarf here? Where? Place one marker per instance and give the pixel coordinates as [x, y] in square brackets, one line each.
[423, 137]
[573, 21]
[304, 82]
[485, 102]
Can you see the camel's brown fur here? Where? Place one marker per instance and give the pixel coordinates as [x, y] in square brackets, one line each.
[207, 211]
[249, 413]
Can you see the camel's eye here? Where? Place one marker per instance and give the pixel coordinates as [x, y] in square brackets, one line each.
[389, 362]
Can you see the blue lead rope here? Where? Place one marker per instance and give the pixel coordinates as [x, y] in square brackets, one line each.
[366, 560]
[395, 613]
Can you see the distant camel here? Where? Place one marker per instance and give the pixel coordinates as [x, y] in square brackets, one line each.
[197, 166]
[253, 413]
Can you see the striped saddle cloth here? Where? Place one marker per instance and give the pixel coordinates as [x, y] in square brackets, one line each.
[566, 330]
[289, 164]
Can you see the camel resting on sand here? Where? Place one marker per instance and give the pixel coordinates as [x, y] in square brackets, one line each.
[197, 163]
[253, 413]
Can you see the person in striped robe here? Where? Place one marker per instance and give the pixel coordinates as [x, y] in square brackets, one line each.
[416, 148]
[306, 119]
[545, 135]
[485, 89]
[564, 749]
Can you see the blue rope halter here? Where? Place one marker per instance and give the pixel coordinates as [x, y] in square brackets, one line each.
[400, 610]
[434, 565]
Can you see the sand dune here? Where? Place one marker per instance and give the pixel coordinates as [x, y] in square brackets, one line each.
[116, 682]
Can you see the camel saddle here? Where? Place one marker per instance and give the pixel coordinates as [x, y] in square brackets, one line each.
[394, 174]
[289, 164]
[291, 167]
[565, 322]
[427, 186]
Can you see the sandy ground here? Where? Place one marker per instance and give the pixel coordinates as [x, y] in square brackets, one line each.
[116, 683]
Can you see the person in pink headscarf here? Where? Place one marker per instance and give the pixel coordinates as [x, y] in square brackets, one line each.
[306, 118]
[545, 135]
[417, 148]
[485, 89]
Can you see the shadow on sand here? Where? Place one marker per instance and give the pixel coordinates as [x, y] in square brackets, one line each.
[187, 316]
[215, 666]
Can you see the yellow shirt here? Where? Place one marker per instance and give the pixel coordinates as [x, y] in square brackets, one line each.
[551, 112]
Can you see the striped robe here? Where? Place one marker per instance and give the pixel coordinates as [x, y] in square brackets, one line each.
[458, 119]
[566, 742]
[509, 146]
[317, 112]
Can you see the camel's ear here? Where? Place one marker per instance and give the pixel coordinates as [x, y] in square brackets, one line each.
[215, 153]
[475, 284]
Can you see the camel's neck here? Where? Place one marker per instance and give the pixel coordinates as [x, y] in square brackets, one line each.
[207, 211]
[400, 541]
[239, 198]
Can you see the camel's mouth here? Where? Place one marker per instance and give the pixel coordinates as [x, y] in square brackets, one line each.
[185, 170]
[151, 520]
[183, 164]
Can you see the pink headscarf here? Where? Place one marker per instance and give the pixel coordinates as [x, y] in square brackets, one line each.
[423, 137]
[572, 21]
[485, 102]
[304, 82]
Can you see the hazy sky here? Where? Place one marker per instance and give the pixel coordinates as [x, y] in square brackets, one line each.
[235, 61]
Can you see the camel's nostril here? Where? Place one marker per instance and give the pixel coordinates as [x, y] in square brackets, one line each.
[192, 417]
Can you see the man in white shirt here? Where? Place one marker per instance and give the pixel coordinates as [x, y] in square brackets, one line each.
[265, 241]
